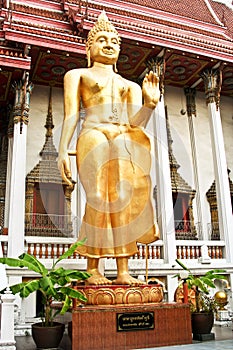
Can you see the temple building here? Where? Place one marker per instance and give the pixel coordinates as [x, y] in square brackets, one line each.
[191, 48]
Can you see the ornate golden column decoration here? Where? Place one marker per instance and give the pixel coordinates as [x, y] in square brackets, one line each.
[190, 101]
[212, 79]
[157, 65]
[23, 89]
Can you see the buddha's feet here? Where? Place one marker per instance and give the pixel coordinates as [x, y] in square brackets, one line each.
[126, 279]
[97, 279]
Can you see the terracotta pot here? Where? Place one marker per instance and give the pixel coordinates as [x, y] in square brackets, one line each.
[202, 322]
[47, 337]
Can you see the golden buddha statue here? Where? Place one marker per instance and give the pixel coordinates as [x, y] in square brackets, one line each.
[113, 154]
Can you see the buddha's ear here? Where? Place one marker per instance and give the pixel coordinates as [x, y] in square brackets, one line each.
[88, 57]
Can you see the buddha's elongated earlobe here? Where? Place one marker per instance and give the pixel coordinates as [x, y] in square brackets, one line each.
[115, 68]
[88, 59]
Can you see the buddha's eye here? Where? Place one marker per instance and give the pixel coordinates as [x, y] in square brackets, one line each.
[101, 39]
[114, 41]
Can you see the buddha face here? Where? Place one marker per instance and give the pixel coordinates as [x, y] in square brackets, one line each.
[105, 48]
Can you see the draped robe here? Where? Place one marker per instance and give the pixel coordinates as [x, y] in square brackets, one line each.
[114, 164]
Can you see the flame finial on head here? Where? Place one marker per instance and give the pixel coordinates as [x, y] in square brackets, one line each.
[103, 17]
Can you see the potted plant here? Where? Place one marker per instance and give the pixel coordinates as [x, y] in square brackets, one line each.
[55, 284]
[202, 305]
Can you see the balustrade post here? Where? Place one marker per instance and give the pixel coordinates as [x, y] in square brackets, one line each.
[7, 340]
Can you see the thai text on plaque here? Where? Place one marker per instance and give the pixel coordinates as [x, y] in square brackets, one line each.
[131, 321]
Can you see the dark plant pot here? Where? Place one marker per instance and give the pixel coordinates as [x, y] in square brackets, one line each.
[47, 337]
[202, 322]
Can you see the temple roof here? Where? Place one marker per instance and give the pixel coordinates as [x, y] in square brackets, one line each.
[200, 10]
[47, 38]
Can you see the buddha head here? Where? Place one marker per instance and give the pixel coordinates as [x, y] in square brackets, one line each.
[102, 28]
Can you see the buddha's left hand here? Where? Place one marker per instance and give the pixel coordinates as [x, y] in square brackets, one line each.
[150, 90]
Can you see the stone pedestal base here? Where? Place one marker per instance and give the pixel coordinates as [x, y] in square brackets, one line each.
[222, 315]
[134, 326]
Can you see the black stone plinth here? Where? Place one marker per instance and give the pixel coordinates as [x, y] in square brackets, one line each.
[204, 337]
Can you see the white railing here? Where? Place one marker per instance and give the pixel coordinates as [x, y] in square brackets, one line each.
[53, 247]
[48, 247]
[192, 249]
[151, 251]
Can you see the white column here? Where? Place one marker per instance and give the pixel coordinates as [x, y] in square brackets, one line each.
[221, 180]
[164, 190]
[164, 201]
[7, 321]
[8, 182]
[3, 278]
[191, 112]
[16, 214]
[225, 218]
[17, 192]
[172, 284]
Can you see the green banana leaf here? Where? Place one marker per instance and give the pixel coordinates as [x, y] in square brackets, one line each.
[20, 263]
[26, 288]
[70, 294]
[70, 251]
[35, 262]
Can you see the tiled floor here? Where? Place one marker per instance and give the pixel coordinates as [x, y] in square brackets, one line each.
[223, 341]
